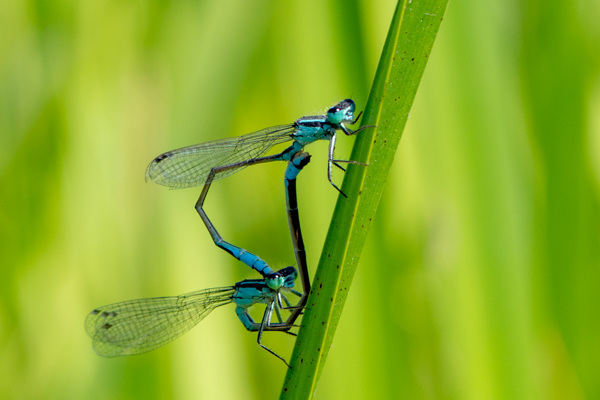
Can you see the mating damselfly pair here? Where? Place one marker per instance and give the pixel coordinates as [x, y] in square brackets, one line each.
[137, 326]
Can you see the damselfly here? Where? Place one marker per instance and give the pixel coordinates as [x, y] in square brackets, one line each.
[202, 163]
[138, 326]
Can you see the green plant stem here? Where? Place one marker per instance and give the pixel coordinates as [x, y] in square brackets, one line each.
[406, 51]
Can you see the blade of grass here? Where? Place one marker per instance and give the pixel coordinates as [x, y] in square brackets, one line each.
[406, 51]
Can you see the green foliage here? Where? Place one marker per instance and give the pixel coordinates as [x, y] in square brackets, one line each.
[478, 278]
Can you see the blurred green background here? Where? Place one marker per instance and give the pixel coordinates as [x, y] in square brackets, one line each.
[481, 275]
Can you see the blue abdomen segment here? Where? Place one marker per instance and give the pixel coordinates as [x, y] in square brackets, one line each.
[294, 167]
[251, 260]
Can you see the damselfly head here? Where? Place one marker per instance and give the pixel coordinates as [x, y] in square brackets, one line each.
[289, 275]
[274, 281]
[342, 111]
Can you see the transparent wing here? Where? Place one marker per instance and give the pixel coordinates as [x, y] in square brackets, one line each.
[190, 166]
[137, 326]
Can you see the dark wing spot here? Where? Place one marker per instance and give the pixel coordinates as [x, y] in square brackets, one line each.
[106, 326]
[95, 312]
[161, 157]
